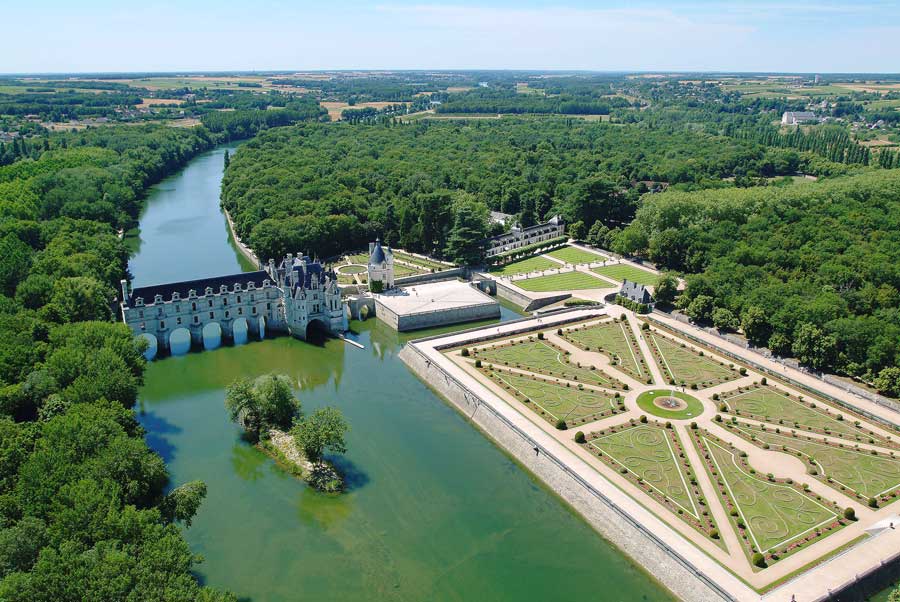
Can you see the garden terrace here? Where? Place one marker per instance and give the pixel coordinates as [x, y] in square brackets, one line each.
[525, 266]
[623, 271]
[614, 339]
[867, 473]
[543, 357]
[683, 365]
[767, 404]
[773, 517]
[556, 402]
[576, 256]
[652, 457]
[566, 281]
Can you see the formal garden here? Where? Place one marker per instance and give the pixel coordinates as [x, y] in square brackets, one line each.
[683, 365]
[623, 271]
[651, 456]
[673, 442]
[576, 256]
[614, 339]
[565, 281]
[543, 357]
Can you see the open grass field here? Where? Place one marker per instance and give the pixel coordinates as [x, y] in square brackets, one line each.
[623, 271]
[774, 513]
[646, 452]
[542, 358]
[615, 340]
[524, 266]
[860, 471]
[568, 281]
[686, 366]
[770, 405]
[576, 256]
[555, 401]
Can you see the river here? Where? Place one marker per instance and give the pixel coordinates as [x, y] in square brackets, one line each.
[434, 510]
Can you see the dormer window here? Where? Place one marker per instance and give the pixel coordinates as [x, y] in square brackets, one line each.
[157, 299]
[192, 293]
[209, 290]
[176, 296]
[223, 289]
[139, 301]
[237, 287]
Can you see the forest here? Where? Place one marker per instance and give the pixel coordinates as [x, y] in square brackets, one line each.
[86, 512]
[331, 187]
[810, 271]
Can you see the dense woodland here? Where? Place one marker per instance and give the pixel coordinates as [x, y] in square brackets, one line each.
[327, 188]
[84, 513]
[810, 270]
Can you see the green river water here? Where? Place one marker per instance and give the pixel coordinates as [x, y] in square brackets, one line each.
[434, 510]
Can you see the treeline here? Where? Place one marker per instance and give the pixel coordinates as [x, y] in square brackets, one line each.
[63, 105]
[833, 143]
[811, 270]
[239, 124]
[84, 508]
[326, 188]
[511, 102]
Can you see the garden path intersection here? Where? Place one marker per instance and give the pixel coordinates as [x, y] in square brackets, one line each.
[728, 490]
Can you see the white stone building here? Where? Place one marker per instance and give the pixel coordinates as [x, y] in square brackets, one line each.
[381, 266]
[519, 237]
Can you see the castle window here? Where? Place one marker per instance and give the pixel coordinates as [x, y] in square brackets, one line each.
[238, 298]
[141, 314]
[240, 311]
[196, 319]
[254, 311]
[143, 326]
[162, 325]
[225, 301]
[177, 308]
[178, 321]
[210, 302]
[252, 298]
[211, 315]
[268, 306]
[193, 307]
[226, 314]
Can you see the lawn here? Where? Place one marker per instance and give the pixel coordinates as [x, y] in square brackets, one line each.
[768, 405]
[774, 513]
[568, 281]
[686, 366]
[646, 452]
[868, 475]
[539, 357]
[555, 401]
[351, 269]
[576, 256]
[523, 266]
[692, 406]
[615, 340]
[427, 264]
[623, 271]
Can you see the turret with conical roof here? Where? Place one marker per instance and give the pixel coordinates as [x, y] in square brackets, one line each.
[381, 267]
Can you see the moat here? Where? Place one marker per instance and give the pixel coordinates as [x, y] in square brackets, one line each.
[433, 510]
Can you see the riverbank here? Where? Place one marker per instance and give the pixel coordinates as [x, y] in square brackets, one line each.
[244, 249]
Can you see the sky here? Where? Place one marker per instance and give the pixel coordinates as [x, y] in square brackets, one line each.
[62, 36]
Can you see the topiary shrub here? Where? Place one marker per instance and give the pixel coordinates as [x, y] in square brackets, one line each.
[643, 419]
[579, 437]
[714, 533]
[561, 424]
[540, 336]
[849, 513]
[465, 352]
[759, 560]
[873, 503]
[645, 326]
[478, 363]
[763, 380]
[742, 371]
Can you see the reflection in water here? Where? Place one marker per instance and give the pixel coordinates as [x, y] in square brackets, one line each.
[247, 461]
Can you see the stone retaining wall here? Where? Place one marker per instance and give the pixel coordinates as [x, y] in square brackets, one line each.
[431, 277]
[601, 513]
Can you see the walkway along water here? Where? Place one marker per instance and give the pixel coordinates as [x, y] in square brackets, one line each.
[434, 510]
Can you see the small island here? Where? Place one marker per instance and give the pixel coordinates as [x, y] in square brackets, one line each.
[272, 418]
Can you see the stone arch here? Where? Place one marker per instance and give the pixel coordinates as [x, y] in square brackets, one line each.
[316, 331]
[179, 341]
[211, 335]
[152, 345]
[240, 331]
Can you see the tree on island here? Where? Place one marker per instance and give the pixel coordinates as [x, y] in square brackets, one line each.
[321, 431]
[261, 404]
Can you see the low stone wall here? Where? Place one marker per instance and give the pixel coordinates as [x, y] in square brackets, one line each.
[443, 317]
[524, 301]
[600, 512]
[431, 277]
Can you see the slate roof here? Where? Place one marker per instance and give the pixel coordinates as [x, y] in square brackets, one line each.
[183, 288]
[377, 253]
[635, 292]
